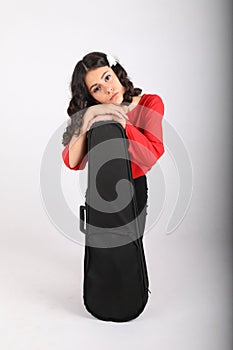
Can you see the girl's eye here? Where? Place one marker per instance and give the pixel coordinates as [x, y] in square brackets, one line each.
[96, 89]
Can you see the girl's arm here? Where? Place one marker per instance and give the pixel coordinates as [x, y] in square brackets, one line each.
[74, 154]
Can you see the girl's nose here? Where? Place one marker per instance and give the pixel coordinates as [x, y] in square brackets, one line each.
[109, 89]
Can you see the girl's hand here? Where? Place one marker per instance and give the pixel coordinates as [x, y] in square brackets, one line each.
[120, 120]
[110, 109]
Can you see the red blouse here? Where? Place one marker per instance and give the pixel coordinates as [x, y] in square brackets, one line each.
[144, 132]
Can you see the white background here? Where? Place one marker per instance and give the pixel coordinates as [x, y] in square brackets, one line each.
[179, 50]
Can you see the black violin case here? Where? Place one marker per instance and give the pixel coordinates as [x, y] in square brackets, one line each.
[115, 284]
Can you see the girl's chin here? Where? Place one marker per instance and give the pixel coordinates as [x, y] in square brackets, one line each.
[118, 99]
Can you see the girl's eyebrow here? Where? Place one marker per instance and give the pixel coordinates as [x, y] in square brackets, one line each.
[100, 78]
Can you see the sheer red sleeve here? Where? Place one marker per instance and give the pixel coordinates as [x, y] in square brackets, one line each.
[146, 137]
[65, 155]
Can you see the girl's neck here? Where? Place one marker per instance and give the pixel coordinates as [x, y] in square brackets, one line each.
[134, 103]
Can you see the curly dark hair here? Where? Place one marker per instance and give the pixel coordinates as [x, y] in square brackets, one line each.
[82, 99]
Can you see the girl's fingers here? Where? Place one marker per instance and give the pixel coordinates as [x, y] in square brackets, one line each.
[107, 116]
[125, 115]
[123, 111]
[122, 115]
[118, 114]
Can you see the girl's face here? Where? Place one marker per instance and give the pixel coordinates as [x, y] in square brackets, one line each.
[102, 83]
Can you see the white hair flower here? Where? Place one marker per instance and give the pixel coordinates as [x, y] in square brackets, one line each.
[111, 60]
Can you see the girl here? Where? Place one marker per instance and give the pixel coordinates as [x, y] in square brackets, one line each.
[101, 90]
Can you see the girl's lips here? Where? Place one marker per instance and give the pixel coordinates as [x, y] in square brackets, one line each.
[113, 95]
